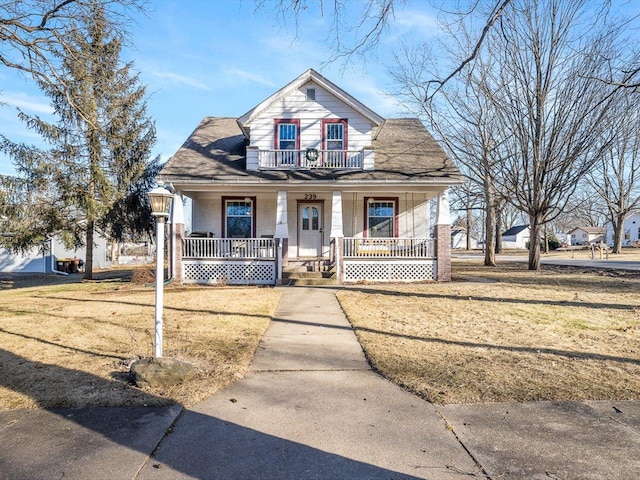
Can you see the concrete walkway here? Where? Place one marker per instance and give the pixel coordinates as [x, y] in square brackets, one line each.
[311, 408]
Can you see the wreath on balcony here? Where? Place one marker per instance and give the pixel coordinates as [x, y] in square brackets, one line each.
[311, 155]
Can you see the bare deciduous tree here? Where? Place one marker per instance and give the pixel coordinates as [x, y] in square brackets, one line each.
[463, 118]
[31, 31]
[553, 113]
[615, 177]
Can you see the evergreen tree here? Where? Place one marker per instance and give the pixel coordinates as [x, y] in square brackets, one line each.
[98, 163]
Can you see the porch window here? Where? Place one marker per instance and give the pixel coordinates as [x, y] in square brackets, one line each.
[381, 218]
[287, 137]
[239, 219]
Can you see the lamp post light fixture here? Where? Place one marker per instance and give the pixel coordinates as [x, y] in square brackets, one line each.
[160, 199]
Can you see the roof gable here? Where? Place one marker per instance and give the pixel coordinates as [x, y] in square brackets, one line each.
[589, 230]
[307, 77]
[405, 152]
[515, 230]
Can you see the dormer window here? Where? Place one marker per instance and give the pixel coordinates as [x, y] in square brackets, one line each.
[334, 140]
[335, 133]
[287, 138]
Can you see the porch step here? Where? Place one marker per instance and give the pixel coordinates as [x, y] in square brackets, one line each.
[308, 273]
[309, 281]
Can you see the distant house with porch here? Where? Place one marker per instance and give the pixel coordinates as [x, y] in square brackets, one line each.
[311, 176]
[587, 235]
[516, 237]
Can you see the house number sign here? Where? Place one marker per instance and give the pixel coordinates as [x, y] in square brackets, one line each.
[310, 196]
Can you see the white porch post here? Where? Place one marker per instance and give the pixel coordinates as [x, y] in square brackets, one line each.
[337, 232]
[443, 237]
[282, 231]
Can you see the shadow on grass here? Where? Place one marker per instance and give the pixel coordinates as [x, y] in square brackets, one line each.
[60, 345]
[459, 343]
[10, 281]
[479, 298]
[151, 304]
[144, 442]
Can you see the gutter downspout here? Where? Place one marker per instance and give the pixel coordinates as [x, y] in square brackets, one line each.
[53, 261]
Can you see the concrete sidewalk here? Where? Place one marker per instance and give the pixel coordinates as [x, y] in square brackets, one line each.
[311, 408]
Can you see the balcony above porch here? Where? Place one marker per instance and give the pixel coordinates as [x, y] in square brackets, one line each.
[310, 159]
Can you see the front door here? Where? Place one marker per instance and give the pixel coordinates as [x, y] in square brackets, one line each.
[310, 229]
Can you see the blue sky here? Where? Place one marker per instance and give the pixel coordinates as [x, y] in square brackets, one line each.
[221, 58]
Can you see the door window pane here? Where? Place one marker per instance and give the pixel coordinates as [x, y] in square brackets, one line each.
[305, 218]
[315, 225]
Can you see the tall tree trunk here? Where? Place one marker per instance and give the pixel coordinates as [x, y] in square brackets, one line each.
[468, 226]
[546, 239]
[88, 262]
[498, 224]
[534, 243]
[490, 240]
[618, 232]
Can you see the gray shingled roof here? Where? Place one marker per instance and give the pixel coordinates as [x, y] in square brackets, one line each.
[405, 151]
[515, 230]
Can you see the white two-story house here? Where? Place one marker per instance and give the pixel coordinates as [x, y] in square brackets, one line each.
[311, 175]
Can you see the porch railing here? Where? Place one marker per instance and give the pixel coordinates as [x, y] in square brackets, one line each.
[389, 247]
[236, 248]
[311, 159]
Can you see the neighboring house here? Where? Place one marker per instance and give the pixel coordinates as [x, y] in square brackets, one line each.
[43, 259]
[311, 175]
[630, 230]
[516, 237]
[459, 239]
[587, 235]
[564, 239]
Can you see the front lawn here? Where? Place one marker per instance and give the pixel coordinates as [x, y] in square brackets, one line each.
[562, 334]
[71, 345]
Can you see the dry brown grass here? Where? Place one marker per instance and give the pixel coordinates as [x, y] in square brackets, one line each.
[555, 335]
[71, 344]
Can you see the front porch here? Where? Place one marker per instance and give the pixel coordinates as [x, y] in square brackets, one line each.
[260, 261]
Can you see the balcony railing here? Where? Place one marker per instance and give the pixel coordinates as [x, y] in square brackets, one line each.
[312, 159]
[230, 248]
[389, 247]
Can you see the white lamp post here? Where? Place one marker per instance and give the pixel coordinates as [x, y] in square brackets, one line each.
[160, 199]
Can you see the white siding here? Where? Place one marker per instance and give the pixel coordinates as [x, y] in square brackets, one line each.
[30, 262]
[207, 214]
[310, 113]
